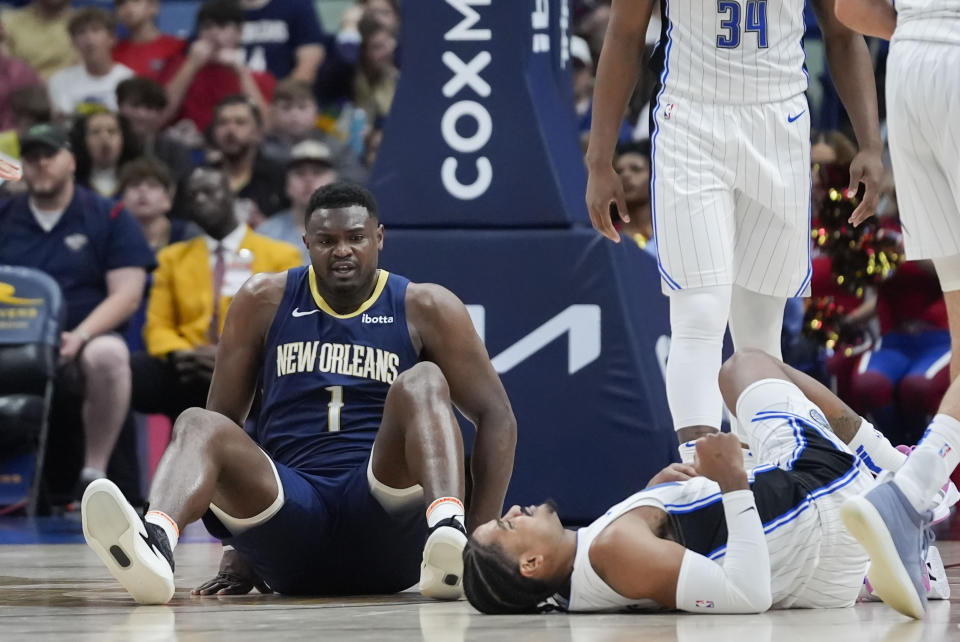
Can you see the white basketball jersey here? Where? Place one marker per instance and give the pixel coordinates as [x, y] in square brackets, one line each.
[733, 51]
[794, 549]
[930, 20]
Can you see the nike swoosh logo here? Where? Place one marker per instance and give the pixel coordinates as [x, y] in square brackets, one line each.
[297, 313]
[790, 119]
[152, 546]
[746, 510]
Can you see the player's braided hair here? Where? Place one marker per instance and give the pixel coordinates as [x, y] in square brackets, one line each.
[494, 585]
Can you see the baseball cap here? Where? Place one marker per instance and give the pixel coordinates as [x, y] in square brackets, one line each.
[310, 150]
[45, 135]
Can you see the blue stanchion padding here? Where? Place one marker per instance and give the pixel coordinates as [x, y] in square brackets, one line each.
[31, 313]
[576, 326]
[31, 307]
[482, 131]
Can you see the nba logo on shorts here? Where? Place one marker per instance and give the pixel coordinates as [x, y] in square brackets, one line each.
[944, 449]
[704, 604]
[669, 111]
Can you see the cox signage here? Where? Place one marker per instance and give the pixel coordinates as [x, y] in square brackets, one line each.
[482, 131]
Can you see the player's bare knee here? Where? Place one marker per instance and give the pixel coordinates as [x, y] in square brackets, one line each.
[424, 381]
[737, 373]
[197, 425]
[732, 366]
[105, 357]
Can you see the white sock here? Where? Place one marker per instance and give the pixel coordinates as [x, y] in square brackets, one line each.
[687, 451]
[442, 508]
[875, 450]
[165, 522]
[89, 474]
[929, 466]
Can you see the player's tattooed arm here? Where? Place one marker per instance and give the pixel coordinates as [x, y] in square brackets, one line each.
[851, 68]
[845, 426]
[441, 324]
[843, 420]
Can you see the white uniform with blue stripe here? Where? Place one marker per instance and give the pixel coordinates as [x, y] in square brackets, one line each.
[923, 98]
[806, 473]
[730, 142]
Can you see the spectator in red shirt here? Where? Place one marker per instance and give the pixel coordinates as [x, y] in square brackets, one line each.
[214, 68]
[146, 50]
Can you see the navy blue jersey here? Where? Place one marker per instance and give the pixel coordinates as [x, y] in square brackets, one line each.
[93, 237]
[326, 375]
[272, 34]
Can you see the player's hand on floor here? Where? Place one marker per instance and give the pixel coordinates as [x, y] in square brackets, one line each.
[866, 168]
[604, 192]
[720, 458]
[235, 578]
[673, 473]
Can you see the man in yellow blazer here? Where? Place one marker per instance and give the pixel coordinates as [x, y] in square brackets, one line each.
[192, 287]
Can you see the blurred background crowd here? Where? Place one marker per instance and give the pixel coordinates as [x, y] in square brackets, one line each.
[170, 148]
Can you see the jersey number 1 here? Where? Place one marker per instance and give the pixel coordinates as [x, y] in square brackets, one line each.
[334, 407]
[756, 21]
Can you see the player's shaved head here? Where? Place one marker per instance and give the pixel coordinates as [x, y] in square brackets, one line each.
[341, 195]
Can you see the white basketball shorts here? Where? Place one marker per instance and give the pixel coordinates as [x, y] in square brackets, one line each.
[923, 103]
[730, 191]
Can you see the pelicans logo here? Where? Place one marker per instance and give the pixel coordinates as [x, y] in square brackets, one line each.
[15, 311]
[7, 293]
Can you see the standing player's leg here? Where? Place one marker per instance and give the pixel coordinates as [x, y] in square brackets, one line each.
[419, 444]
[756, 321]
[926, 163]
[210, 460]
[698, 319]
[692, 202]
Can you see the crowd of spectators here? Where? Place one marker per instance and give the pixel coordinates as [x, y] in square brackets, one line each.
[148, 161]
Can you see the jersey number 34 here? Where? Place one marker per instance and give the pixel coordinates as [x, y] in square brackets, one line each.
[754, 19]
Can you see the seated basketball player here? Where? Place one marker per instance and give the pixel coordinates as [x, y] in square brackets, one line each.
[358, 369]
[714, 539]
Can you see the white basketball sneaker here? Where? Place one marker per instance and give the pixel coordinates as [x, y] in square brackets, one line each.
[136, 553]
[441, 574]
[934, 579]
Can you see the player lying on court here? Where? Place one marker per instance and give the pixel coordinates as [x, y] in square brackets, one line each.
[358, 369]
[716, 539]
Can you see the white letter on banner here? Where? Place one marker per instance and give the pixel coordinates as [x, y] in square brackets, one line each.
[458, 110]
[464, 30]
[466, 74]
[448, 174]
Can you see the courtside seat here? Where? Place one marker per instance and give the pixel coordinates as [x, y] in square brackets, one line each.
[30, 318]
